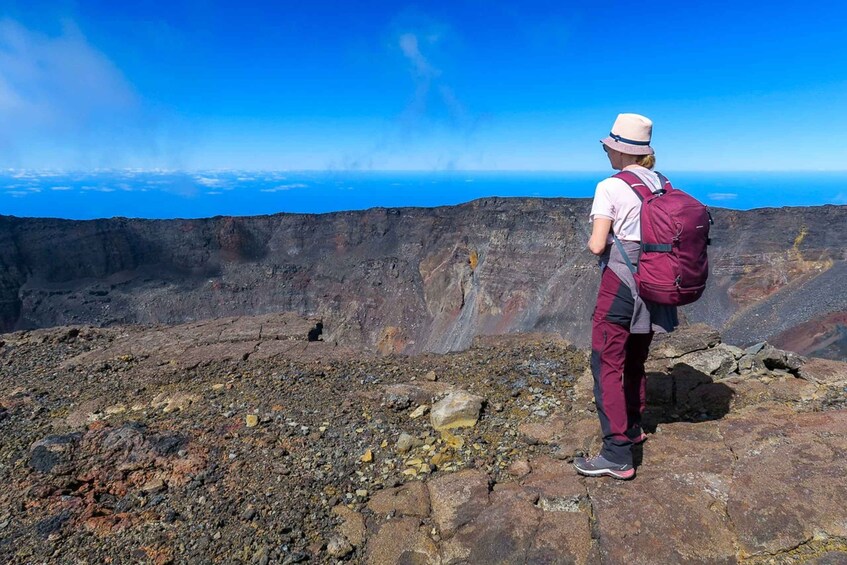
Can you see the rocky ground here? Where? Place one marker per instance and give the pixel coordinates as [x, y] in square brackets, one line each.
[250, 440]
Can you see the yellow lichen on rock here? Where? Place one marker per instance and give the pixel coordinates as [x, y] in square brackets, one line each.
[473, 259]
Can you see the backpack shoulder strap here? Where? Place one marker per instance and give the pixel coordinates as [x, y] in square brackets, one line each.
[640, 189]
[666, 184]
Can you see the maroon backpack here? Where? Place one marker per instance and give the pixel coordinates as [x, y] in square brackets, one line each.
[673, 265]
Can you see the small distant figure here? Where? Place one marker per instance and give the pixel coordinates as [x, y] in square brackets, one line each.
[315, 334]
[623, 324]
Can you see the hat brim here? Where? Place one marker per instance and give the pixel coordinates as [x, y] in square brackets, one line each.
[627, 148]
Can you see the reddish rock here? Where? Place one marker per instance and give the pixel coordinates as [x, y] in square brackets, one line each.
[402, 541]
[519, 469]
[783, 390]
[581, 436]
[555, 482]
[546, 431]
[697, 449]
[457, 499]
[503, 531]
[673, 512]
[563, 537]
[788, 485]
[660, 520]
[824, 371]
[352, 525]
[411, 499]
[516, 528]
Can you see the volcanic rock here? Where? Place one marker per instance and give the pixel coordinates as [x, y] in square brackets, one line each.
[458, 409]
[403, 540]
[744, 467]
[352, 526]
[824, 371]
[408, 500]
[407, 280]
[457, 499]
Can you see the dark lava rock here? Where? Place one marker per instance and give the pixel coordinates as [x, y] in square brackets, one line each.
[52, 524]
[296, 557]
[168, 444]
[53, 454]
[397, 401]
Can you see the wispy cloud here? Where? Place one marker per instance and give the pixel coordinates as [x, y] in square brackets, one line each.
[284, 187]
[59, 87]
[434, 110]
[99, 188]
[65, 104]
[433, 95]
[409, 46]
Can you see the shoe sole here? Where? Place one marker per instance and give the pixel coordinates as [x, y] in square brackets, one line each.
[622, 475]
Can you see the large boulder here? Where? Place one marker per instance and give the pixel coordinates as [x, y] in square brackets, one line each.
[715, 361]
[769, 357]
[53, 454]
[458, 409]
[684, 340]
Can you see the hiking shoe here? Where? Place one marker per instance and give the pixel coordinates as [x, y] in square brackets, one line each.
[598, 466]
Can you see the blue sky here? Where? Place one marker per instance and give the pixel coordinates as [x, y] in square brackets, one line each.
[478, 85]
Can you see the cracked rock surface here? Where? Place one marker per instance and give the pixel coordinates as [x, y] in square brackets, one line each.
[240, 440]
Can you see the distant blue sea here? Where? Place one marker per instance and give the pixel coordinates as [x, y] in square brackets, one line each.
[157, 194]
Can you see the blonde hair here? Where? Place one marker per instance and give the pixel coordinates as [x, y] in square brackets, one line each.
[646, 161]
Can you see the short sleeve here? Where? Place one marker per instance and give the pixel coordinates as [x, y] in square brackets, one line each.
[603, 205]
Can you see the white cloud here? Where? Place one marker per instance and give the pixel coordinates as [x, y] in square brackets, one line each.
[98, 188]
[208, 181]
[65, 104]
[56, 85]
[60, 188]
[722, 196]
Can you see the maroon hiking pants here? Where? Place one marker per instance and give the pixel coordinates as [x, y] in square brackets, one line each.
[617, 363]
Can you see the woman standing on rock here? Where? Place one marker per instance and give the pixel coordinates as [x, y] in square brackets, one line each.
[622, 324]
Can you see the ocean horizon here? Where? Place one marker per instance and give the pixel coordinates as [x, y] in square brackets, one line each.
[171, 194]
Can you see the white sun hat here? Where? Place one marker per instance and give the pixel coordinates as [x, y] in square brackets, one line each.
[631, 134]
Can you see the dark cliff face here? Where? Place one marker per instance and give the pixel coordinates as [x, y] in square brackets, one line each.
[407, 279]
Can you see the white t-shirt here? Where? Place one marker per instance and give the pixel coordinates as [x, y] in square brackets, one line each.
[614, 199]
